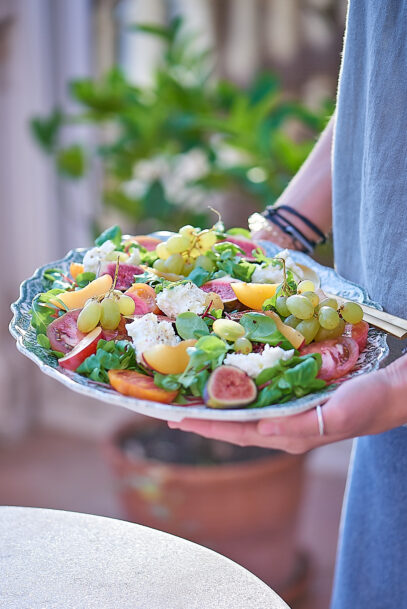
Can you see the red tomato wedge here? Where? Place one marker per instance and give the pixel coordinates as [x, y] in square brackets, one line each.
[63, 333]
[358, 332]
[339, 356]
[137, 385]
[87, 346]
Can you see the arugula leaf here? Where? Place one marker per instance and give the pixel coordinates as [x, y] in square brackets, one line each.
[84, 278]
[190, 325]
[55, 279]
[43, 340]
[263, 329]
[109, 356]
[113, 234]
[191, 382]
[42, 311]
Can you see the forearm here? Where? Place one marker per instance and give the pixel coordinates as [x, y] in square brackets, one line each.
[396, 378]
[309, 192]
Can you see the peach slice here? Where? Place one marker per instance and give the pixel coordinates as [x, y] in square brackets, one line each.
[169, 359]
[253, 295]
[77, 299]
[291, 334]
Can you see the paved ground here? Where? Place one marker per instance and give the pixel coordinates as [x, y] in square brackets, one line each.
[64, 472]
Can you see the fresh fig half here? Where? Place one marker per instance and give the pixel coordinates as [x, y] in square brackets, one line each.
[229, 387]
[125, 276]
[223, 288]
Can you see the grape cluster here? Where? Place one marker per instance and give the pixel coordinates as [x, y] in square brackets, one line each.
[316, 320]
[106, 311]
[185, 250]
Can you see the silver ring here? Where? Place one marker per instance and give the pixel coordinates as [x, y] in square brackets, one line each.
[321, 425]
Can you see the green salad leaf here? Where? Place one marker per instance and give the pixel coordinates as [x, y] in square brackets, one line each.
[289, 379]
[190, 325]
[263, 329]
[114, 234]
[110, 355]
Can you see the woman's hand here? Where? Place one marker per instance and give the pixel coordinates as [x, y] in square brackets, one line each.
[368, 404]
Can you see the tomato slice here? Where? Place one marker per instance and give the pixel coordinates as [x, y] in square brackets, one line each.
[137, 385]
[339, 356]
[63, 333]
[359, 333]
[145, 298]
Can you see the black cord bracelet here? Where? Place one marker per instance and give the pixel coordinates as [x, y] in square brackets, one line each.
[274, 216]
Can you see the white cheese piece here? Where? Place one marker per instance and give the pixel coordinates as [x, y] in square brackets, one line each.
[254, 363]
[134, 257]
[147, 331]
[274, 274]
[181, 298]
[97, 255]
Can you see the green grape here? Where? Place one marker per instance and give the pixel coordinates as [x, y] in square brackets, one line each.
[162, 252]
[187, 268]
[159, 265]
[312, 297]
[324, 334]
[110, 314]
[174, 264]
[205, 263]
[194, 253]
[291, 321]
[187, 230]
[127, 305]
[300, 306]
[328, 318]
[328, 302]
[89, 317]
[122, 256]
[308, 329]
[352, 312]
[178, 244]
[305, 286]
[206, 239]
[228, 329]
[281, 306]
[243, 345]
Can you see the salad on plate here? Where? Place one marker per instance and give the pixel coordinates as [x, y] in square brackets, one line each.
[200, 317]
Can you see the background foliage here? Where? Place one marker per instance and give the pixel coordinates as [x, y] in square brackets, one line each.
[168, 149]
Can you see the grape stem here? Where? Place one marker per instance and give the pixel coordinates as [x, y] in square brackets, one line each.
[285, 286]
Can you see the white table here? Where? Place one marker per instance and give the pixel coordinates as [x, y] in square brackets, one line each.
[52, 559]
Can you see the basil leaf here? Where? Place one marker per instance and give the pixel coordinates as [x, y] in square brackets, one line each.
[243, 270]
[190, 325]
[113, 234]
[208, 351]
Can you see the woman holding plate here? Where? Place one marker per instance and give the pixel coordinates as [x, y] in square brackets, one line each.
[355, 179]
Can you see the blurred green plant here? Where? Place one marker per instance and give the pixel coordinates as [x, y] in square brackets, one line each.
[167, 147]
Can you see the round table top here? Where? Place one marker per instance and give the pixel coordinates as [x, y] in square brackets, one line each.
[50, 559]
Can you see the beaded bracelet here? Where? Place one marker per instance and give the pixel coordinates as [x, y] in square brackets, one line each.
[286, 226]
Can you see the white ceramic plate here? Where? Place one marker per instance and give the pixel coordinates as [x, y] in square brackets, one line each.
[20, 328]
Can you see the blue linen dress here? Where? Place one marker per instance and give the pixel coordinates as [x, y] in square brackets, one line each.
[370, 241]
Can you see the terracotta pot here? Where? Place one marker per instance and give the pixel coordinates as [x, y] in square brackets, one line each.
[246, 511]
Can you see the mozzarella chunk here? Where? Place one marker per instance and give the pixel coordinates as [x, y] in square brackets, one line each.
[274, 274]
[182, 298]
[254, 363]
[96, 256]
[147, 331]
